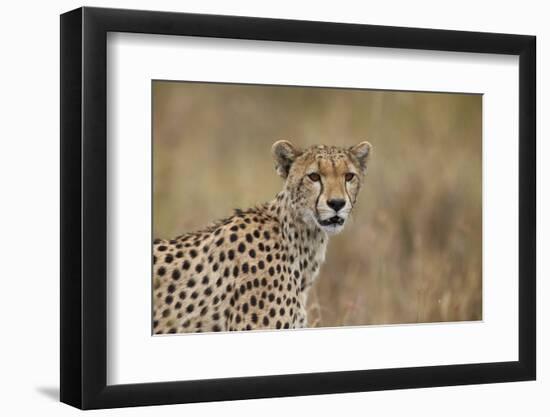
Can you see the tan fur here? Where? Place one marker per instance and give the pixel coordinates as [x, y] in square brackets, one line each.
[254, 269]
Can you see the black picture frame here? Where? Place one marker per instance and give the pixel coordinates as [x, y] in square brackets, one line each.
[84, 207]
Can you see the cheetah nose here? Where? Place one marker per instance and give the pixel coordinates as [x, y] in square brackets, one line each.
[336, 203]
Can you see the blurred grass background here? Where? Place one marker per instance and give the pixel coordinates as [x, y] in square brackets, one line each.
[412, 250]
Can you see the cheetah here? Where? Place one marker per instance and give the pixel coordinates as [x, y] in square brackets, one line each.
[253, 270]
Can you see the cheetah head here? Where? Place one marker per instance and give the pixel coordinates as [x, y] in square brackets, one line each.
[322, 182]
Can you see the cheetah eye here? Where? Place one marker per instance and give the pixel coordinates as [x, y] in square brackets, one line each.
[349, 176]
[314, 177]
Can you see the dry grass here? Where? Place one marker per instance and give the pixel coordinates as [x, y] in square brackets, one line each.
[412, 251]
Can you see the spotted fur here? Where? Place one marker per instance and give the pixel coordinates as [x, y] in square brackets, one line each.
[254, 269]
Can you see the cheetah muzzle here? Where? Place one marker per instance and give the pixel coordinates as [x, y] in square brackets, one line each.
[253, 270]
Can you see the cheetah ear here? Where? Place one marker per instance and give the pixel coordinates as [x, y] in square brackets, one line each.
[284, 154]
[362, 152]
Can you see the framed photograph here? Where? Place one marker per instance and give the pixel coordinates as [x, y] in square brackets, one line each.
[257, 207]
